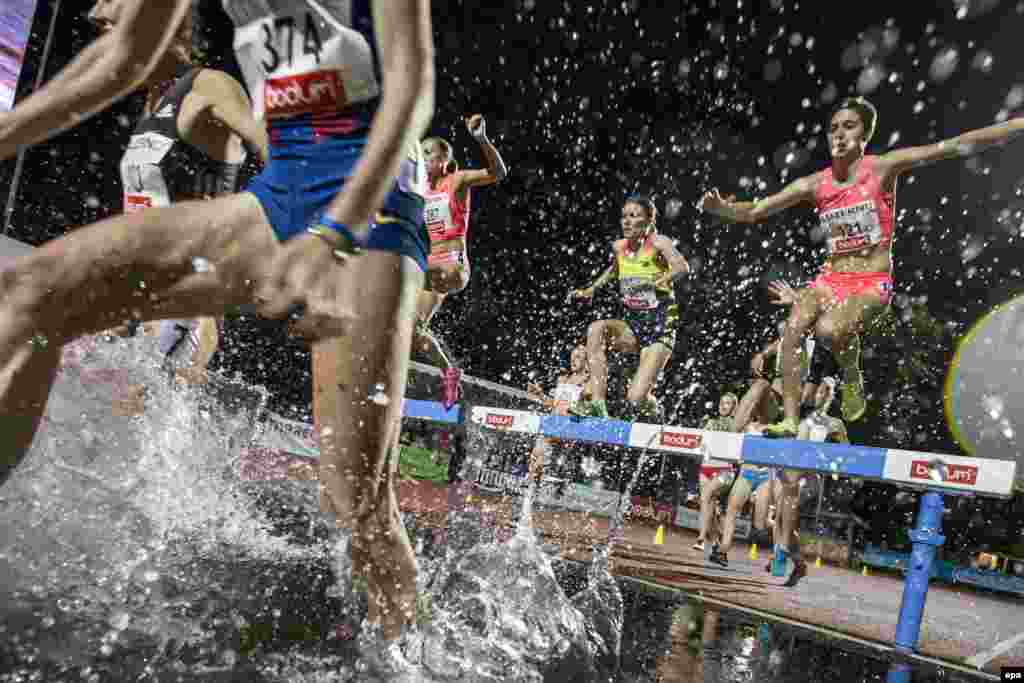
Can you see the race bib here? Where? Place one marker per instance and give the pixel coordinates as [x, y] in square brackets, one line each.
[852, 228]
[141, 178]
[304, 58]
[146, 149]
[437, 215]
[639, 293]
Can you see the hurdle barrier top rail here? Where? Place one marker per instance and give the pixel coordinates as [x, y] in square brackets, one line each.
[950, 474]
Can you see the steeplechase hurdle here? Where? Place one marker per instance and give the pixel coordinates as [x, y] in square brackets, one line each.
[933, 473]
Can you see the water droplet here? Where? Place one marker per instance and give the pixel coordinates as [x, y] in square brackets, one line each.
[379, 396]
[944, 64]
[983, 61]
[870, 78]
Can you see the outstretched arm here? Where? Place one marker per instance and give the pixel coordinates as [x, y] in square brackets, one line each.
[111, 67]
[963, 145]
[496, 170]
[610, 273]
[800, 190]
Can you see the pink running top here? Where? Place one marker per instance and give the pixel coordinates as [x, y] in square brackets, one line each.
[447, 217]
[857, 215]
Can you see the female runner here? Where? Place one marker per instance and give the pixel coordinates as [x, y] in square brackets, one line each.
[646, 265]
[446, 213]
[856, 200]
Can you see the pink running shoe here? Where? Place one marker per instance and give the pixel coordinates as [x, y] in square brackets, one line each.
[451, 387]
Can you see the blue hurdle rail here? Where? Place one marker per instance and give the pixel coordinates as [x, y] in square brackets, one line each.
[935, 473]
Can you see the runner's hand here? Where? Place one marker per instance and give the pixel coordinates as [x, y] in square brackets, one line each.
[711, 202]
[535, 390]
[580, 294]
[306, 279]
[757, 365]
[781, 293]
[477, 127]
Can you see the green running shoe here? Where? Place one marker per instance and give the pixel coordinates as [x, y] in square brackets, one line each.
[595, 408]
[786, 429]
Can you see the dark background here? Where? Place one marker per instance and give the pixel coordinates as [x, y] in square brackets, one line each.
[589, 103]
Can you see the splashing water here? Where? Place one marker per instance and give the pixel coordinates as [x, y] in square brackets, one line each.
[119, 518]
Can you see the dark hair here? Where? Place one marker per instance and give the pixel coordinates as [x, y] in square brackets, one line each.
[647, 203]
[452, 166]
[865, 110]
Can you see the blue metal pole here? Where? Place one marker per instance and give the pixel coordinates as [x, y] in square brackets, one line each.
[926, 537]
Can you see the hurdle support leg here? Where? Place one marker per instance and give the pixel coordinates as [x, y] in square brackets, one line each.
[926, 537]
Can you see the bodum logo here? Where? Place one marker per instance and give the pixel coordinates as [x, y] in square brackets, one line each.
[316, 92]
[680, 440]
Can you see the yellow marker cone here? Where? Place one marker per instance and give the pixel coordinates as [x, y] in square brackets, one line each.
[817, 562]
[659, 535]
[753, 551]
[864, 571]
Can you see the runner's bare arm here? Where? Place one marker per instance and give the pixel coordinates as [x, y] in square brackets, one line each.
[111, 67]
[963, 145]
[800, 190]
[406, 45]
[609, 274]
[677, 263]
[478, 177]
[230, 106]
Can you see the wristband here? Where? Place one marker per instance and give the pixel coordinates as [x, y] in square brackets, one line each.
[336, 234]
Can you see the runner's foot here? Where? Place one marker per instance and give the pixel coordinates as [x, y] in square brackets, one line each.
[786, 429]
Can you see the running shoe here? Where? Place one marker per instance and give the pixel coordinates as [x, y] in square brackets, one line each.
[718, 557]
[786, 429]
[451, 387]
[595, 408]
[799, 572]
[853, 404]
[699, 545]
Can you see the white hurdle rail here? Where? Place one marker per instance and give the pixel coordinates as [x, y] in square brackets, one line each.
[950, 474]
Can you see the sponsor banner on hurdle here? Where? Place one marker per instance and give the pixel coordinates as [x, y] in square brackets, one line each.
[721, 445]
[975, 475]
[506, 420]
